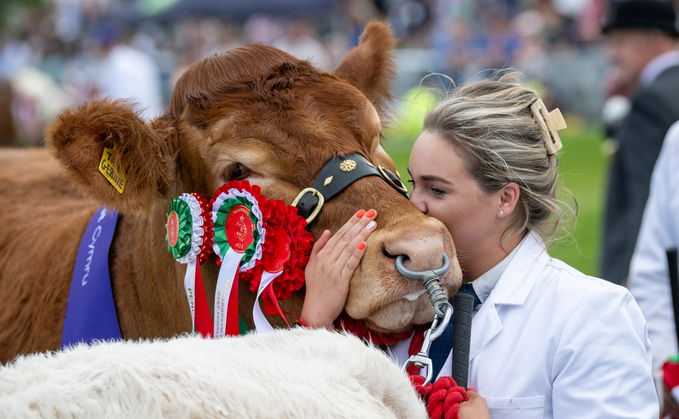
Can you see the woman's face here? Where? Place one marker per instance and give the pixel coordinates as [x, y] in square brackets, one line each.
[442, 188]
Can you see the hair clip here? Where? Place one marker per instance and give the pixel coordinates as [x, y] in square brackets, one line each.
[550, 123]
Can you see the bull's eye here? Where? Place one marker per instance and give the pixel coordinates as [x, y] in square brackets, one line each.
[237, 171]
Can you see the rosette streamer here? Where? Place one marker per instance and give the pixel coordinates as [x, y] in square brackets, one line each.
[189, 239]
[286, 253]
[670, 372]
[238, 211]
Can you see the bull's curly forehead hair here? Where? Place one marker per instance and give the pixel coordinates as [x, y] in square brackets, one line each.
[274, 95]
[257, 69]
[490, 122]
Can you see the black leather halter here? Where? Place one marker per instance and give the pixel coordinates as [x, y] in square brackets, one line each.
[337, 174]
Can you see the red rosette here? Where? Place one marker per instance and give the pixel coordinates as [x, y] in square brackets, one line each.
[287, 247]
[243, 186]
[208, 225]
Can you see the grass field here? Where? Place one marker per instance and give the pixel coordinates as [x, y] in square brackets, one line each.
[582, 167]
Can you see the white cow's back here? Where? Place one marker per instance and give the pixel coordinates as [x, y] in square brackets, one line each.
[297, 373]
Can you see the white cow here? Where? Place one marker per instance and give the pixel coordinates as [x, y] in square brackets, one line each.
[296, 373]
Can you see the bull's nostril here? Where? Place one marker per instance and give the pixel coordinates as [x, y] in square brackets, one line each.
[387, 254]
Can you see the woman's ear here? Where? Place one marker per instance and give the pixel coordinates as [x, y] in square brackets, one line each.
[508, 198]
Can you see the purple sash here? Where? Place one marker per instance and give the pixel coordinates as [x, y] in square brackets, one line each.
[90, 313]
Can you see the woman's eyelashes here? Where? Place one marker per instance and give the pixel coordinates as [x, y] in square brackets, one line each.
[437, 192]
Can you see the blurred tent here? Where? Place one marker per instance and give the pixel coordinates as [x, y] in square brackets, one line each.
[164, 10]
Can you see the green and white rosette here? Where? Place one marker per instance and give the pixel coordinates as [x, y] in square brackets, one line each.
[179, 229]
[188, 236]
[238, 238]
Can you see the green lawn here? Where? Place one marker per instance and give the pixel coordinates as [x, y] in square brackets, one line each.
[582, 168]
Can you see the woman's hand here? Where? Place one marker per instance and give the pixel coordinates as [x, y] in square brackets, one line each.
[332, 262]
[474, 408]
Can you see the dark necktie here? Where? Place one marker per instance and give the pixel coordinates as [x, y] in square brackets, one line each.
[441, 347]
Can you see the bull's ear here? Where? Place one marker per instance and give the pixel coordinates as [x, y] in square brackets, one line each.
[371, 66]
[80, 137]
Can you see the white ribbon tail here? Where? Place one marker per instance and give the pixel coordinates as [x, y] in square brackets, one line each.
[190, 288]
[261, 323]
[227, 273]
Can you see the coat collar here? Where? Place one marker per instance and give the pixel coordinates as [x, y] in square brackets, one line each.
[517, 281]
[512, 288]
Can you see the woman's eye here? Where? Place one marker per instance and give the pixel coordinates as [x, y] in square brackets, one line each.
[412, 182]
[238, 172]
[437, 192]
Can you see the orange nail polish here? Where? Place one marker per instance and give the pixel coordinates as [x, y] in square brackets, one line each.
[370, 213]
[361, 246]
[360, 214]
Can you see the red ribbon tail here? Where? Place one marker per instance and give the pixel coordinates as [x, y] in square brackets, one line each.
[272, 297]
[671, 374]
[232, 323]
[203, 319]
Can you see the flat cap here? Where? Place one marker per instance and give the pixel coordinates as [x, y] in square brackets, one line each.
[642, 14]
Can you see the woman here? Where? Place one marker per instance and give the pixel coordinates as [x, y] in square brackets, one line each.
[547, 341]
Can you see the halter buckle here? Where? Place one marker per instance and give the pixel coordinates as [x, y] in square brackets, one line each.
[321, 201]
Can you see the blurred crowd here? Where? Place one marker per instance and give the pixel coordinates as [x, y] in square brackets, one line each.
[58, 53]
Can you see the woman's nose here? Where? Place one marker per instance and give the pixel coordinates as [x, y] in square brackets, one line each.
[419, 203]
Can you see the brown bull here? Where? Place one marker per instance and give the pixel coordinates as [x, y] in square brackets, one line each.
[252, 113]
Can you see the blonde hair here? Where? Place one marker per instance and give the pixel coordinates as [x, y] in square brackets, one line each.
[491, 122]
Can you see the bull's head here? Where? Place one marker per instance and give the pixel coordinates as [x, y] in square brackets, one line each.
[258, 114]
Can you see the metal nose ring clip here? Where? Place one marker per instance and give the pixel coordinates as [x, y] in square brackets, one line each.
[442, 308]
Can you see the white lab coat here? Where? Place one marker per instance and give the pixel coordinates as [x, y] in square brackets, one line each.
[649, 278]
[550, 342]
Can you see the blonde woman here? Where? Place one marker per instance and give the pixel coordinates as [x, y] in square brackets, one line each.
[547, 341]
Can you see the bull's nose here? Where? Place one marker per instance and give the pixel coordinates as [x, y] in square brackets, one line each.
[430, 280]
[422, 275]
[394, 303]
[422, 247]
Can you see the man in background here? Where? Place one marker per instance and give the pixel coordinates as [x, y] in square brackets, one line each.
[128, 73]
[642, 38]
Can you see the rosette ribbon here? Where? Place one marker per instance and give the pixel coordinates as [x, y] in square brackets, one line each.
[670, 370]
[238, 238]
[189, 239]
[286, 253]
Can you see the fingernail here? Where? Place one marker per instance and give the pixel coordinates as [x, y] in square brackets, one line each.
[371, 225]
[370, 213]
[361, 246]
[360, 214]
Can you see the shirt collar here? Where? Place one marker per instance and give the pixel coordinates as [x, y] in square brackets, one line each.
[657, 65]
[484, 284]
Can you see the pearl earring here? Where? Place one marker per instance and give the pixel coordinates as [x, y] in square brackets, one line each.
[501, 212]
